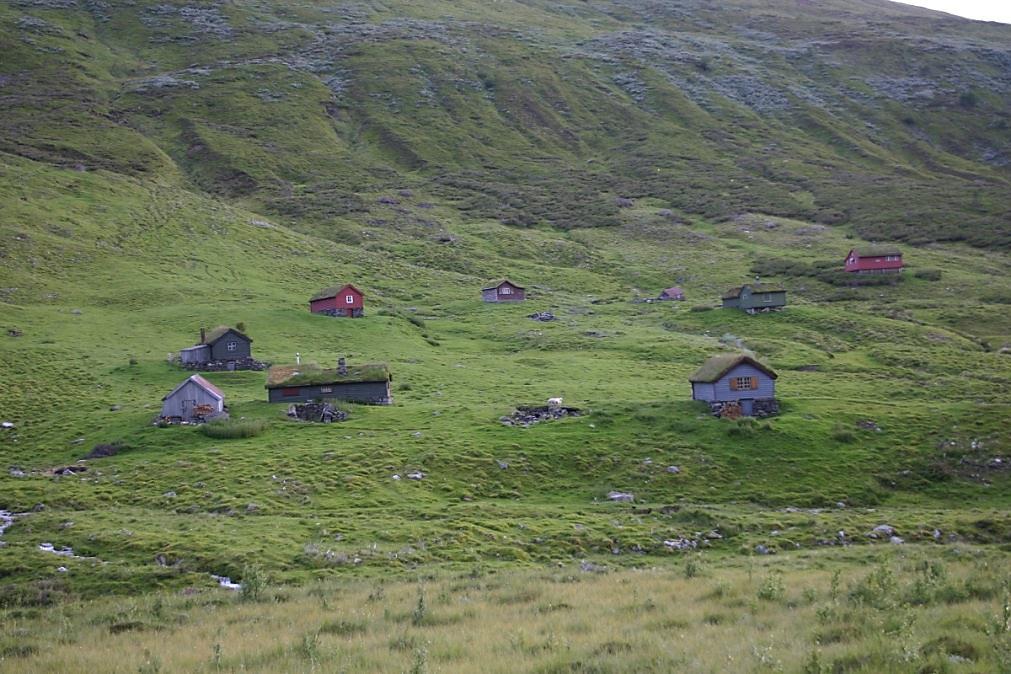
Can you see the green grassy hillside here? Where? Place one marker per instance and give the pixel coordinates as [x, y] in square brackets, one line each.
[166, 166]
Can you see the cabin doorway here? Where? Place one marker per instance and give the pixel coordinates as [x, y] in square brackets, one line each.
[747, 404]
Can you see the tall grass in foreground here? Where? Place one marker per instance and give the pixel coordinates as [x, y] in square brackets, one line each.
[913, 611]
[230, 429]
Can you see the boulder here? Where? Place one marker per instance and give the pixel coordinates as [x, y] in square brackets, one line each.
[620, 496]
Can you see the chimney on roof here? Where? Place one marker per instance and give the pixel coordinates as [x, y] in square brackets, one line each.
[203, 335]
[342, 366]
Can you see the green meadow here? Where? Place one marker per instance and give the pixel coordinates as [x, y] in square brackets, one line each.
[166, 167]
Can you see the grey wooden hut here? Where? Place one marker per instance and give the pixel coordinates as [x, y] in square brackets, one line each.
[755, 297]
[196, 399]
[736, 378]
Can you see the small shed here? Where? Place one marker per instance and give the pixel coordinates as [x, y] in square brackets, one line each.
[504, 291]
[346, 300]
[738, 379]
[367, 383]
[195, 355]
[874, 261]
[196, 399]
[755, 297]
[674, 293]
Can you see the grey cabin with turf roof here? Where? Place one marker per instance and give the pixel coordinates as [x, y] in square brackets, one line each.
[223, 344]
[755, 297]
[734, 378]
[368, 383]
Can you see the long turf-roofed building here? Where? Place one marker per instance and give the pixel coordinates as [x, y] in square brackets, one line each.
[367, 383]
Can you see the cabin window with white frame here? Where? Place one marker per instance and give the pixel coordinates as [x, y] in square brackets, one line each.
[232, 346]
[349, 299]
[744, 383]
[326, 389]
[506, 290]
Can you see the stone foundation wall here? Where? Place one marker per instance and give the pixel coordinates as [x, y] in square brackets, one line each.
[226, 365]
[768, 407]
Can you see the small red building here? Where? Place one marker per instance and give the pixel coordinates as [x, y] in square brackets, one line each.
[504, 291]
[874, 260]
[343, 300]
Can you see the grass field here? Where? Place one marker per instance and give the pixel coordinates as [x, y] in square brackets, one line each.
[298, 147]
[915, 610]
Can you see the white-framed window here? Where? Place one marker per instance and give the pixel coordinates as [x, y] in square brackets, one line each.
[506, 290]
[768, 298]
[744, 383]
[349, 299]
[326, 389]
[232, 346]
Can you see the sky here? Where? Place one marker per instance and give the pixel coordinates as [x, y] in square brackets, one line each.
[984, 10]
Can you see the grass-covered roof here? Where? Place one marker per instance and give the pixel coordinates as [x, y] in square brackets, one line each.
[333, 291]
[217, 333]
[755, 288]
[877, 251]
[310, 374]
[717, 366]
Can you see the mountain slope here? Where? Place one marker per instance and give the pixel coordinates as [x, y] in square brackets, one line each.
[533, 112]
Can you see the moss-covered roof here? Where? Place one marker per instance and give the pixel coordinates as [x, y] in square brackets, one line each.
[217, 333]
[333, 291]
[734, 293]
[876, 251]
[498, 284]
[717, 366]
[310, 374]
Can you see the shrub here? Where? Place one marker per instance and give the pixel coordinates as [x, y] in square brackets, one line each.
[999, 297]
[253, 583]
[841, 434]
[772, 589]
[701, 307]
[107, 449]
[743, 427]
[420, 610]
[928, 274]
[231, 429]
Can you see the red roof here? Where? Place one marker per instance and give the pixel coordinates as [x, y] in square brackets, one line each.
[673, 291]
[202, 383]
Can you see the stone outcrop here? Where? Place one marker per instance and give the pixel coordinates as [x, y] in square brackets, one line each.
[526, 415]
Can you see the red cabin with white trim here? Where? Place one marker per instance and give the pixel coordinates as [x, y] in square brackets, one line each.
[343, 300]
[874, 260]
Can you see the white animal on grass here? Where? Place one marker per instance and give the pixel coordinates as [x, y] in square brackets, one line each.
[554, 402]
